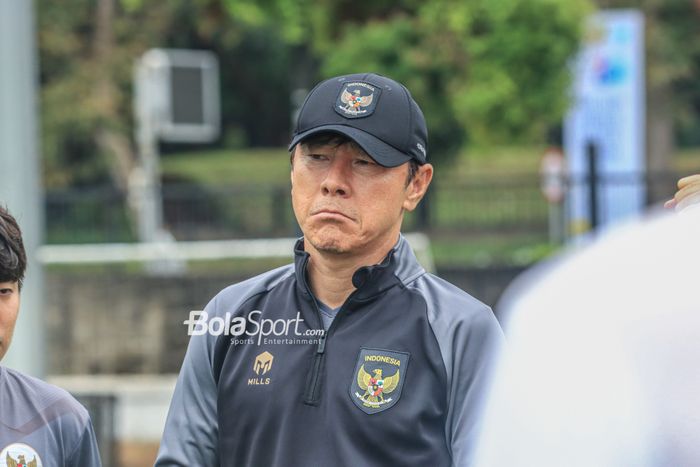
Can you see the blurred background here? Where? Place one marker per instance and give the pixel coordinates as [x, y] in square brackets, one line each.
[146, 187]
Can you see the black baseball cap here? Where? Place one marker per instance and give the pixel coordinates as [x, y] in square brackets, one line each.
[376, 112]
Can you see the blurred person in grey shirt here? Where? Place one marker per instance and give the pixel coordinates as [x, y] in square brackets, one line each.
[40, 424]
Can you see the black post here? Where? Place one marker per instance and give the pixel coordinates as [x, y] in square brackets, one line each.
[592, 154]
[280, 205]
[423, 210]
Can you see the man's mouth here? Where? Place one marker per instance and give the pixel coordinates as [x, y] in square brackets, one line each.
[331, 213]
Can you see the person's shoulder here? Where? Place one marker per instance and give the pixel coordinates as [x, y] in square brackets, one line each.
[31, 399]
[448, 303]
[465, 329]
[241, 291]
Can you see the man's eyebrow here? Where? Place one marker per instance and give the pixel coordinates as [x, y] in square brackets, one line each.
[311, 147]
[316, 146]
[306, 148]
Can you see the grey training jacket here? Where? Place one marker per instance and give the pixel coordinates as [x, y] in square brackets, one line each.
[398, 380]
[42, 425]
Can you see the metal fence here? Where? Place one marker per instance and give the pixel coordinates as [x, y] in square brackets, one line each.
[480, 204]
[86, 216]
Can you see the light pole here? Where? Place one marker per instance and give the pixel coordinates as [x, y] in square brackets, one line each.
[177, 100]
[20, 172]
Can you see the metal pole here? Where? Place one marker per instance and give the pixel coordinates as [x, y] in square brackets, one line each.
[556, 223]
[592, 155]
[424, 208]
[20, 182]
[146, 179]
[146, 185]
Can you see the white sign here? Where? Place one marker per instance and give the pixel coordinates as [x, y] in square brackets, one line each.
[608, 112]
[178, 90]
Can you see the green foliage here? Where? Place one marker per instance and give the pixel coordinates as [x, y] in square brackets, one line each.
[84, 88]
[87, 84]
[515, 85]
[486, 72]
[316, 24]
[398, 49]
[68, 117]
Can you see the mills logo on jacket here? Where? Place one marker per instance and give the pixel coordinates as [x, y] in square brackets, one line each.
[399, 378]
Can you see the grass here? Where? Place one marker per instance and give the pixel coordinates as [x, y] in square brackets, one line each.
[687, 161]
[244, 266]
[485, 251]
[229, 167]
[505, 160]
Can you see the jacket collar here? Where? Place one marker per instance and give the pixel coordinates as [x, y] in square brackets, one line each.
[398, 266]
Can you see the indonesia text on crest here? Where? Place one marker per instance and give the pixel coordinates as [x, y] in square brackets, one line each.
[378, 379]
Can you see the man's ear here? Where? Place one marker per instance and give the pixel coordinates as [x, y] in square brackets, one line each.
[291, 165]
[418, 186]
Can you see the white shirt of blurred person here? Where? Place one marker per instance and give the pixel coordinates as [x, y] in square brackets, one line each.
[603, 351]
[40, 424]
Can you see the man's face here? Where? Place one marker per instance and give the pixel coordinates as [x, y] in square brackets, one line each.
[9, 307]
[345, 202]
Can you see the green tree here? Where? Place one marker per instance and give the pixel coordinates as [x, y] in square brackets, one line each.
[483, 70]
[87, 53]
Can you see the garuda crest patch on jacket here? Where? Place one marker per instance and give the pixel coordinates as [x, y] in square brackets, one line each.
[378, 379]
[19, 455]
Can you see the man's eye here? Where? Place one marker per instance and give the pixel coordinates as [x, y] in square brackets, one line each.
[5, 291]
[316, 157]
[364, 162]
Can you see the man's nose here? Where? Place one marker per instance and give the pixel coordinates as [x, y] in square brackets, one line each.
[337, 178]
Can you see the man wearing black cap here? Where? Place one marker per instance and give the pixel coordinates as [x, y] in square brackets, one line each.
[353, 355]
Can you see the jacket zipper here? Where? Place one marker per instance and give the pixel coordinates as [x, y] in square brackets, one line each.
[311, 394]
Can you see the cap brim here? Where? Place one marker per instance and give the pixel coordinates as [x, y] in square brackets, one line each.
[384, 154]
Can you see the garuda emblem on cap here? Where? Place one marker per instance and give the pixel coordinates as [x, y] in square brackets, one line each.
[357, 99]
[20, 455]
[379, 378]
